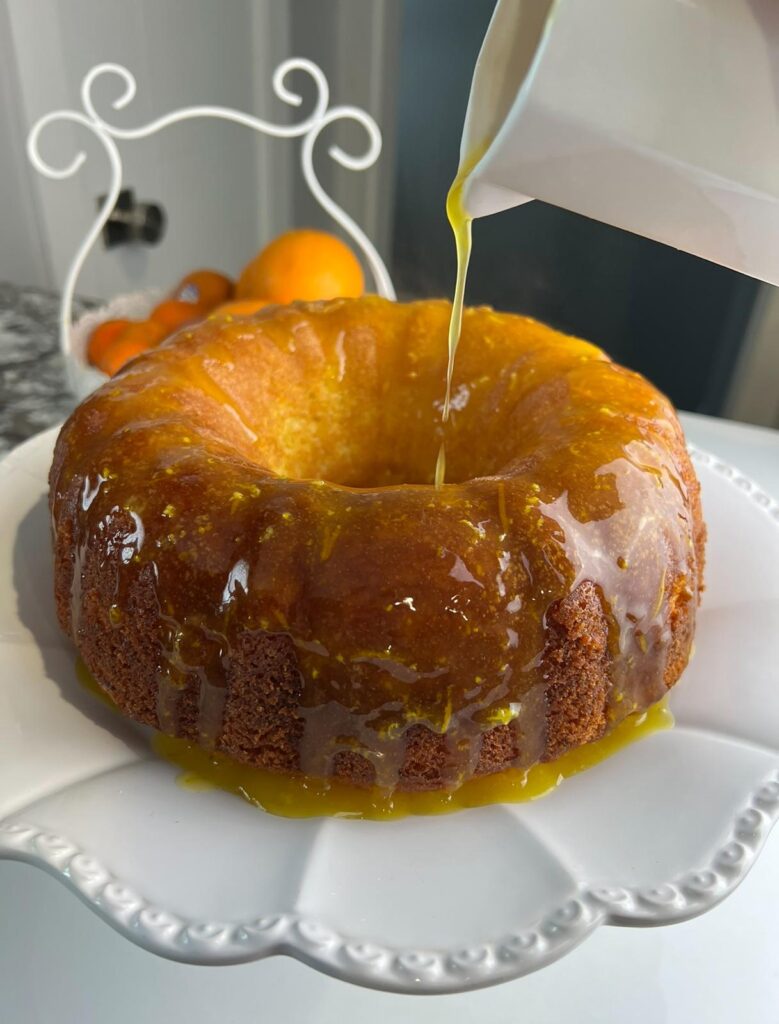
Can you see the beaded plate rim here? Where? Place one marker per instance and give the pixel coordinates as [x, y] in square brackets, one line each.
[389, 968]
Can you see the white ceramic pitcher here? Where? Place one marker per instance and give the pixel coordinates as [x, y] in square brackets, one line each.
[658, 116]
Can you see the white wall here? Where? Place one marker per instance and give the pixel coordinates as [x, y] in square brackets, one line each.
[356, 43]
[22, 252]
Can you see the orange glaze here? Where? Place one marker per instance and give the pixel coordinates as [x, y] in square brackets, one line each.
[276, 475]
[460, 223]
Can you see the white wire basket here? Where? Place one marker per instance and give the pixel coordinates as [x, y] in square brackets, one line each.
[82, 377]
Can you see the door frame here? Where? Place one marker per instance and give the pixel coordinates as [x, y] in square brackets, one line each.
[753, 396]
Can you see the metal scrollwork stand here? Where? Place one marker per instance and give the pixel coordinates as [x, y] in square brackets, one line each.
[308, 130]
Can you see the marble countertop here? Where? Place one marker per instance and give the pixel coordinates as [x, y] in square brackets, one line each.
[33, 392]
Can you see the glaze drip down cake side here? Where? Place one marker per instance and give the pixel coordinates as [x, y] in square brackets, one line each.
[250, 552]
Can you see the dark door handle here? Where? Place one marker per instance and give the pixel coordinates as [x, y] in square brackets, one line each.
[133, 222]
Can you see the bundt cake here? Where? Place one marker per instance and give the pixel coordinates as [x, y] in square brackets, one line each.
[250, 552]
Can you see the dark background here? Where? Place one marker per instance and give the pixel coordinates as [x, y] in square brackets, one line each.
[674, 317]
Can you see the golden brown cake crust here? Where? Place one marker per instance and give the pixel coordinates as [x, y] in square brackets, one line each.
[371, 627]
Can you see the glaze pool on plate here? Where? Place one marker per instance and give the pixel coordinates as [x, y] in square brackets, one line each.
[304, 797]
[300, 796]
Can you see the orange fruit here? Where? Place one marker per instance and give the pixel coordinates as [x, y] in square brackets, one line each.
[204, 288]
[102, 337]
[241, 307]
[136, 338]
[303, 264]
[173, 313]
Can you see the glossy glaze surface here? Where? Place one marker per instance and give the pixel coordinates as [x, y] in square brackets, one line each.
[274, 475]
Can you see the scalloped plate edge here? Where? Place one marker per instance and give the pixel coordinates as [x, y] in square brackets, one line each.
[371, 964]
